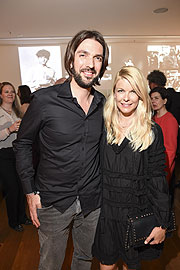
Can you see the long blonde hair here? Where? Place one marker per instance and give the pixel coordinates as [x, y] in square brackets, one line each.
[140, 132]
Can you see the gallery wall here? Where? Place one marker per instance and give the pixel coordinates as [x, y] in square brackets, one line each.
[122, 53]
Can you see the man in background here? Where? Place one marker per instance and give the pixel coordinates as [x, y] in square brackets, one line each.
[66, 189]
[156, 78]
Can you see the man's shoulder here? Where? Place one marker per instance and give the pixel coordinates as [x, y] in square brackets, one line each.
[176, 98]
[48, 92]
[98, 92]
[99, 95]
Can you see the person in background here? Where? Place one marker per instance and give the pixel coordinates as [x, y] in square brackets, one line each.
[174, 106]
[10, 119]
[168, 124]
[24, 94]
[156, 78]
[65, 191]
[133, 176]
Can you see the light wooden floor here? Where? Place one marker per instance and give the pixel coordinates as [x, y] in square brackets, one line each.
[20, 251]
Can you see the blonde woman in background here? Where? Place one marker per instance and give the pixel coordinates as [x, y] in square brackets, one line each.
[10, 119]
[132, 166]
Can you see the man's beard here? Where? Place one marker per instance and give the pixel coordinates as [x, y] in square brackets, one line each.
[81, 83]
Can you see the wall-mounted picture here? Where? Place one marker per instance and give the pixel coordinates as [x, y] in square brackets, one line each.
[167, 59]
[40, 66]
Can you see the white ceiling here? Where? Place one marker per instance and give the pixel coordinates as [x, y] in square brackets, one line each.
[41, 19]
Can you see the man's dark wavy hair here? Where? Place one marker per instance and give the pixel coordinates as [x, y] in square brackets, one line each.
[158, 77]
[76, 41]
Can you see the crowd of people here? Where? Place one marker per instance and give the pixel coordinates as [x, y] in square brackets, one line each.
[98, 161]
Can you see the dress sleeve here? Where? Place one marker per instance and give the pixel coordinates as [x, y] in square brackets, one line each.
[158, 191]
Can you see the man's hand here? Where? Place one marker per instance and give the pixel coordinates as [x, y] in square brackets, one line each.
[157, 236]
[34, 202]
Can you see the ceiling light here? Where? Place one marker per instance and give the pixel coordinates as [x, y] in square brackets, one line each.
[160, 10]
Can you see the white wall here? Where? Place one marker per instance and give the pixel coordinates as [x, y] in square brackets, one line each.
[121, 52]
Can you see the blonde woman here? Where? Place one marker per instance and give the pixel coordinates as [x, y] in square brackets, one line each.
[132, 167]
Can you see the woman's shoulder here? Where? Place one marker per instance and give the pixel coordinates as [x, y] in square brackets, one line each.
[156, 128]
[158, 136]
[171, 118]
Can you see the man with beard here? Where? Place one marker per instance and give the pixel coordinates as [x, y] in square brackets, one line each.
[65, 190]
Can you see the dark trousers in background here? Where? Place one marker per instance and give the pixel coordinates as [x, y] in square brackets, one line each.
[11, 187]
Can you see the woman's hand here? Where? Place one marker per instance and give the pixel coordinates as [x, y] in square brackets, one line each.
[157, 236]
[15, 127]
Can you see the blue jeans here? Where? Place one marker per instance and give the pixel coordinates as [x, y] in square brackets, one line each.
[54, 232]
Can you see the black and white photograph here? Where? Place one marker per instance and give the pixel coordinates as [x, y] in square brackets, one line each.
[167, 59]
[40, 66]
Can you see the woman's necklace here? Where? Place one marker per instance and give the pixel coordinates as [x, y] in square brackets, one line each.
[124, 128]
[8, 111]
[124, 125]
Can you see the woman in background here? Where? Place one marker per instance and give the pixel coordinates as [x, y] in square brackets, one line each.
[24, 94]
[168, 124]
[10, 119]
[133, 175]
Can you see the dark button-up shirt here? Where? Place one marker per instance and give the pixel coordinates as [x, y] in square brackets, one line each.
[69, 148]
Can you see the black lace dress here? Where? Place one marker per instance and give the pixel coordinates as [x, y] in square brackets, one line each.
[132, 182]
